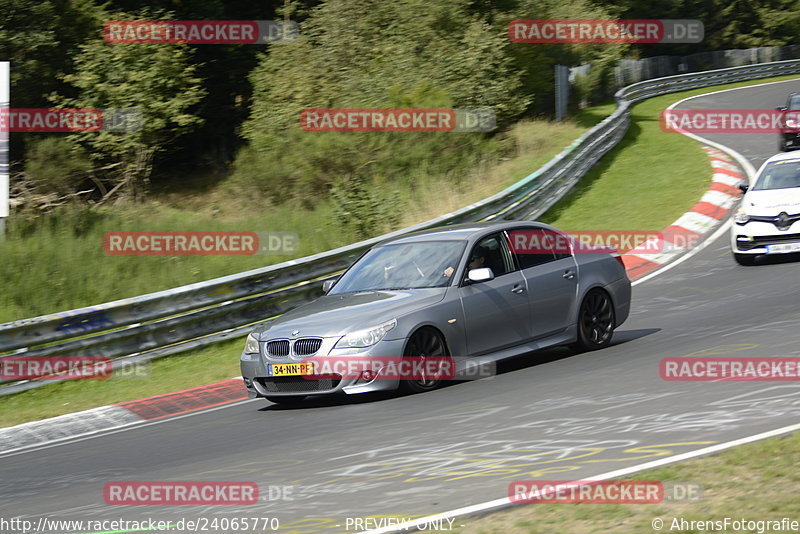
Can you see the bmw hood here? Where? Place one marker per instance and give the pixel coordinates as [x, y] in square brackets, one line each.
[772, 202]
[336, 315]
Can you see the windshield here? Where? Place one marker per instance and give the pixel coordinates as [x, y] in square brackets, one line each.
[403, 266]
[779, 175]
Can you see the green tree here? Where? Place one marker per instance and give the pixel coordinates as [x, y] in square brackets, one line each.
[356, 52]
[374, 54]
[537, 61]
[40, 39]
[157, 80]
[728, 23]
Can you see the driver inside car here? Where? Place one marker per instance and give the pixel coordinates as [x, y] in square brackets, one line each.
[476, 261]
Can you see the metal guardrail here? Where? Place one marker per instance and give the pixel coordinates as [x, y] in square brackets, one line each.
[682, 82]
[167, 322]
[629, 71]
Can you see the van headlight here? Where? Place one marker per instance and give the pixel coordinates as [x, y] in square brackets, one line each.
[366, 337]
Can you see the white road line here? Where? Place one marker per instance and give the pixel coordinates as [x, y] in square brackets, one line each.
[506, 502]
[707, 242]
[113, 430]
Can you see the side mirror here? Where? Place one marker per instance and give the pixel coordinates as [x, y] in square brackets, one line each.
[781, 108]
[744, 187]
[482, 274]
[327, 285]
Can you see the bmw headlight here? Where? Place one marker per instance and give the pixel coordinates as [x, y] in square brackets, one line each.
[741, 217]
[366, 337]
[251, 345]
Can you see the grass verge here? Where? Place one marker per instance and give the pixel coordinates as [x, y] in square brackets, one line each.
[757, 481]
[182, 371]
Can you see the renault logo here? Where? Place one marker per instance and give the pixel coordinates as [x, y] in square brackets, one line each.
[782, 221]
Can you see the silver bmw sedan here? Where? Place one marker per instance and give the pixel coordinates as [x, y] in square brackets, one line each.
[426, 307]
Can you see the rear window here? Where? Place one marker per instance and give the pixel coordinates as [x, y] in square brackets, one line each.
[535, 246]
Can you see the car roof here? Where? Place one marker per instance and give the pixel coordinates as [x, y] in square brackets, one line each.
[780, 156]
[783, 155]
[462, 232]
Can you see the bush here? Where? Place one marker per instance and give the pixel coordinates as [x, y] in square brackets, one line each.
[56, 165]
[365, 210]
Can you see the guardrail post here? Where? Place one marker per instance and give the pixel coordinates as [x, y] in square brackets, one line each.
[5, 99]
[562, 91]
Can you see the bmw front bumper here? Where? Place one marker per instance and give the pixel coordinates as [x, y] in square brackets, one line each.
[259, 383]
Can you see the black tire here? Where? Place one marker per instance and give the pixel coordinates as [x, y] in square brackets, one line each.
[424, 342]
[596, 321]
[744, 259]
[290, 399]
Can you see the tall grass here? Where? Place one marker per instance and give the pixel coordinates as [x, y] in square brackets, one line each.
[58, 262]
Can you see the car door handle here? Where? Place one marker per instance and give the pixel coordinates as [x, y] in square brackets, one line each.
[518, 289]
[569, 275]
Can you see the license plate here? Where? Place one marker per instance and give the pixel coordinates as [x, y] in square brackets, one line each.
[783, 248]
[290, 369]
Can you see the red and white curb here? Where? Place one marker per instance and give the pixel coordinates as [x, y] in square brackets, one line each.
[705, 216]
[105, 418]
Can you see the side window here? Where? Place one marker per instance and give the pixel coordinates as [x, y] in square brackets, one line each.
[562, 247]
[491, 252]
[535, 246]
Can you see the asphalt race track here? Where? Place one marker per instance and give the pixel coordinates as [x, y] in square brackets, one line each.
[550, 415]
